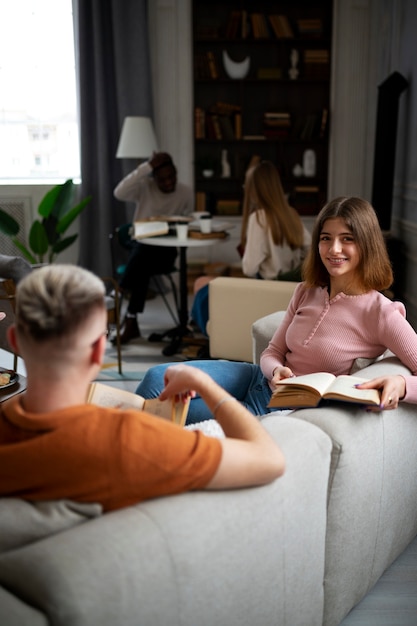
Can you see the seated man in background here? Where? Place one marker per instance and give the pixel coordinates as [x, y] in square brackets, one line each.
[53, 445]
[154, 189]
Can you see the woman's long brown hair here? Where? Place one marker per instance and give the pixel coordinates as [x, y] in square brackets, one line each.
[374, 270]
[263, 190]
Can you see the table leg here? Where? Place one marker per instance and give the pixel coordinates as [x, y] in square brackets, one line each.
[178, 333]
[183, 312]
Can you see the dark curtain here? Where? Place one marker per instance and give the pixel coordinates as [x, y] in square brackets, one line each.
[113, 73]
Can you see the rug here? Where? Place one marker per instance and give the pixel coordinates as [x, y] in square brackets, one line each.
[137, 357]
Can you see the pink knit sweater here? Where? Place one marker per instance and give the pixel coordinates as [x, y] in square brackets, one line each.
[323, 335]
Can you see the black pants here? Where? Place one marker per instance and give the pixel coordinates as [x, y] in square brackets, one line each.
[144, 262]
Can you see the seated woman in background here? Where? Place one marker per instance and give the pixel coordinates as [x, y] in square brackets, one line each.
[274, 240]
[337, 315]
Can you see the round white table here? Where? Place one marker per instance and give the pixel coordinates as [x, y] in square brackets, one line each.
[174, 242]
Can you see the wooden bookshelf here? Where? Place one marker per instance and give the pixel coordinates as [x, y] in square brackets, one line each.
[266, 112]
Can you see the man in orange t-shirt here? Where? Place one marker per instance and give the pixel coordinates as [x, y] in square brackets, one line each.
[53, 445]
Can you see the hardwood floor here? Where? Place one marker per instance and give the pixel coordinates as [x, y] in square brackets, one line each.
[393, 600]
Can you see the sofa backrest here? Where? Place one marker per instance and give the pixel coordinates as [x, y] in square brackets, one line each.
[238, 557]
[262, 331]
[234, 305]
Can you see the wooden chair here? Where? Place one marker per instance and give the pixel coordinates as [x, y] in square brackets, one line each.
[113, 313]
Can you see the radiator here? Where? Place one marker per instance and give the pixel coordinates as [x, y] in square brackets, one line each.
[20, 209]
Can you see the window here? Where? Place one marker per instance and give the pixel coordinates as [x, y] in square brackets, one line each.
[38, 106]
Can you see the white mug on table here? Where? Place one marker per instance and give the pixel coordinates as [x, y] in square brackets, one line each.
[182, 231]
[205, 223]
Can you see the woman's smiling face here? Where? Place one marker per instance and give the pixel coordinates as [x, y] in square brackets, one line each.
[338, 249]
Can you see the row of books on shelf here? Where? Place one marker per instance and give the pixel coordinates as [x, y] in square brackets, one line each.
[315, 61]
[265, 27]
[205, 66]
[222, 120]
[215, 124]
[242, 24]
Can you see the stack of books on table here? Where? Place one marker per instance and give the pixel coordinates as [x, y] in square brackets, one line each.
[149, 228]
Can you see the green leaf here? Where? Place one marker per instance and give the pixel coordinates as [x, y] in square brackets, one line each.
[38, 239]
[62, 244]
[68, 219]
[64, 200]
[24, 251]
[50, 224]
[47, 204]
[8, 224]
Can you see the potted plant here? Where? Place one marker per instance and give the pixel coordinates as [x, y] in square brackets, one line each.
[46, 235]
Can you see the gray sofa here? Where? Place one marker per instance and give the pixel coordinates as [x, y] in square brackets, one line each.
[300, 551]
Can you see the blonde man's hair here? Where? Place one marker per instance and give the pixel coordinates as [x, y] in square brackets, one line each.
[55, 300]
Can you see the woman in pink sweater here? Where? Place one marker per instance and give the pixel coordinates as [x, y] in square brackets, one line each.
[337, 315]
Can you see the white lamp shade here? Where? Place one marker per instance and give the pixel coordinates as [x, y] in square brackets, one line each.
[137, 139]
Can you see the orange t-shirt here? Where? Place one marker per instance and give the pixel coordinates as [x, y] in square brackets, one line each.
[87, 453]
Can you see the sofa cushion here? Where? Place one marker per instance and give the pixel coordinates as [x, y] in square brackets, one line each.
[234, 305]
[23, 522]
[15, 612]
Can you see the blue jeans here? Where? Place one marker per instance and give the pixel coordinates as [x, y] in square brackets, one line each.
[244, 381]
[200, 308]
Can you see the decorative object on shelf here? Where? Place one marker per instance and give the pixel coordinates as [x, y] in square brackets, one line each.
[56, 213]
[235, 69]
[294, 58]
[297, 170]
[207, 166]
[309, 163]
[225, 165]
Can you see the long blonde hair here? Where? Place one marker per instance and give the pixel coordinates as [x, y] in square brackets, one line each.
[263, 190]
